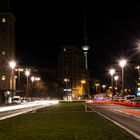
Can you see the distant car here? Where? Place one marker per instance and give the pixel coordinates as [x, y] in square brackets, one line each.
[17, 99]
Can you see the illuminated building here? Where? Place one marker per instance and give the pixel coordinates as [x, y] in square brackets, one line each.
[7, 45]
[71, 65]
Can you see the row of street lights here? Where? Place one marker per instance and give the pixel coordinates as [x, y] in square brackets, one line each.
[12, 64]
[112, 71]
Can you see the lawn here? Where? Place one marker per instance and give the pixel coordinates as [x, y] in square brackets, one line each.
[64, 121]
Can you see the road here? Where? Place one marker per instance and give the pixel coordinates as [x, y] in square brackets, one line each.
[128, 117]
[10, 111]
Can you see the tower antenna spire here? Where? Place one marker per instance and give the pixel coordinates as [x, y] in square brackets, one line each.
[85, 27]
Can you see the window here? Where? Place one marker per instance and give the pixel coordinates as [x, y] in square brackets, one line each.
[64, 49]
[3, 77]
[3, 52]
[3, 20]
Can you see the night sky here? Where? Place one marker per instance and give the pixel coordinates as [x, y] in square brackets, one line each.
[113, 30]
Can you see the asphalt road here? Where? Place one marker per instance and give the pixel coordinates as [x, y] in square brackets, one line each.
[11, 111]
[118, 114]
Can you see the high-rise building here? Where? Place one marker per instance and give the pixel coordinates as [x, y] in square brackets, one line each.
[7, 45]
[71, 69]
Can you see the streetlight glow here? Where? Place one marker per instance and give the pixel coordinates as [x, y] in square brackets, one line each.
[32, 78]
[138, 68]
[12, 64]
[27, 73]
[122, 63]
[112, 71]
[116, 77]
[19, 70]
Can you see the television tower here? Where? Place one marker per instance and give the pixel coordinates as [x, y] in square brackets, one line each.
[85, 46]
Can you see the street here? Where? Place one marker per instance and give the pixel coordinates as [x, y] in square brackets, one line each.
[10, 111]
[129, 117]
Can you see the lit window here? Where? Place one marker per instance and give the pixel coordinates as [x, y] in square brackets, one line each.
[3, 52]
[3, 77]
[3, 20]
[64, 49]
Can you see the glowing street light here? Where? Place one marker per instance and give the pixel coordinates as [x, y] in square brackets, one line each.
[104, 86]
[12, 64]
[66, 80]
[122, 63]
[116, 77]
[138, 68]
[27, 73]
[32, 79]
[97, 85]
[19, 70]
[83, 82]
[3, 79]
[112, 72]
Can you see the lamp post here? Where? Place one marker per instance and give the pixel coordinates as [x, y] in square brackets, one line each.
[32, 79]
[27, 73]
[112, 72]
[97, 85]
[66, 80]
[104, 86]
[12, 65]
[19, 70]
[83, 82]
[138, 68]
[3, 79]
[122, 63]
[116, 77]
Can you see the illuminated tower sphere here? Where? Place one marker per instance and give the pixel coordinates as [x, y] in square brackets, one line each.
[85, 49]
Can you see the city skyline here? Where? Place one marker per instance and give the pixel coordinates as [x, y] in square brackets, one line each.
[112, 33]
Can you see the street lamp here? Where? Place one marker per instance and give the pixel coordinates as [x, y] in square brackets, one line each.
[27, 73]
[116, 77]
[32, 79]
[122, 63]
[103, 86]
[138, 68]
[12, 64]
[66, 80]
[19, 70]
[112, 72]
[3, 79]
[83, 82]
[97, 85]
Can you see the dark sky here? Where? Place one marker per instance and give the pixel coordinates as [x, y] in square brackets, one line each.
[41, 29]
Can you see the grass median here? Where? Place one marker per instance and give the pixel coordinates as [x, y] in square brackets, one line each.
[64, 121]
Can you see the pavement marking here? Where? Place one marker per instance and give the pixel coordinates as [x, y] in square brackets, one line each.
[121, 126]
[15, 114]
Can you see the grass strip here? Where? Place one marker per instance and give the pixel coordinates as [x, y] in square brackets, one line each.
[64, 121]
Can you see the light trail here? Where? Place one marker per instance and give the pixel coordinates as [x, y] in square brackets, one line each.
[29, 104]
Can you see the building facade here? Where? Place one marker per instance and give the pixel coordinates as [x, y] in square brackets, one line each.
[71, 70]
[7, 48]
